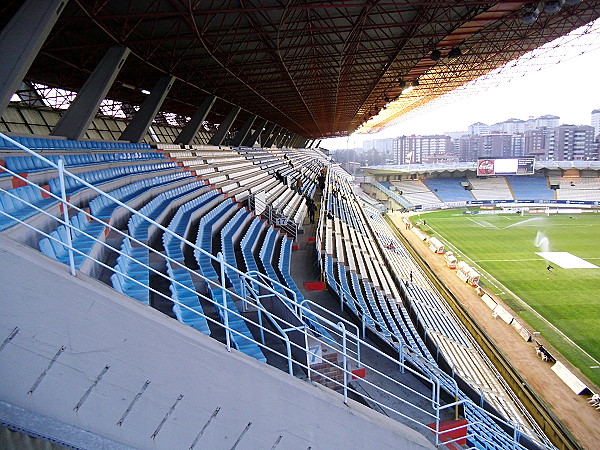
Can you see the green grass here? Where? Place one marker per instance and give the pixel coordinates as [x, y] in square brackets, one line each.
[504, 246]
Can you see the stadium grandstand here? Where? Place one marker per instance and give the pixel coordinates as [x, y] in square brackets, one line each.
[433, 186]
[163, 285]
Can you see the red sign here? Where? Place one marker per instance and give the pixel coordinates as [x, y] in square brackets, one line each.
[485, 167]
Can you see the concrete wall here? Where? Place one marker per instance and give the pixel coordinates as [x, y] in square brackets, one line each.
[78, 342]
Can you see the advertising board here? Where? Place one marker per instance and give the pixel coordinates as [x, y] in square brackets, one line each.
[487, 167]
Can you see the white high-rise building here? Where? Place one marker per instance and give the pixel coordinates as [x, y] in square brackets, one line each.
[548, 121]
[596, 121]
[478, 129]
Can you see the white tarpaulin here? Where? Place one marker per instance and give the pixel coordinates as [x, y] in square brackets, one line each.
[566, 260]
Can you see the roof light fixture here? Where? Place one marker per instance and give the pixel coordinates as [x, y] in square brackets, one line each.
[435, 54]
[553, 7]
[531, 15]
[454, 52]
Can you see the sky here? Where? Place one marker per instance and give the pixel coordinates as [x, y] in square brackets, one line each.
[569, 89]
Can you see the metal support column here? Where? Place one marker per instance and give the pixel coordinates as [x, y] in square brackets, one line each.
[297, 141]
[220, 134]
[243, 132]
[137, 128]
[269, 141]
[76, 120]
[191, 129]
[264, 137]
[282, 137]
[21, 40]
[288, 140]
[253, 137]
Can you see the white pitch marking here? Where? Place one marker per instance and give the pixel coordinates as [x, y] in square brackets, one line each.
[483, 224]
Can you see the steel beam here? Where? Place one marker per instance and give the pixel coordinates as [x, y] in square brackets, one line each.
[224, 127]
[283, 136]
[76, 120]
[137, 128]
[252, 137]
[243, 132]
[274, 132]
[191, 129]
[21, 40]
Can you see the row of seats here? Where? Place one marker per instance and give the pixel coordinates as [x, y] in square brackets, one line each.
[231, 235]
[180, 222]
[97, 177]
[84, 235]
[29, 163]
[389, 318]
[139, 228]
[43, 143]
[132, 276]
[102, 207]
[241, 336]
[18, 203]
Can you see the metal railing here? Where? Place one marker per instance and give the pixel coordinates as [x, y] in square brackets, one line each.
[256, 288]
[274, 216]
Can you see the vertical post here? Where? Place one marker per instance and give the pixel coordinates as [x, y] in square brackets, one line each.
[401, 359]
[65, 208]
[456, 405]
[344, 361]
[437, 404]
[224, 300]
[288, 346]
[260, 322]
[516, 433]
[364, 324]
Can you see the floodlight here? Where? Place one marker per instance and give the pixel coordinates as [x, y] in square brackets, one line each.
[435, 54]
[553, 7]
[454, 52]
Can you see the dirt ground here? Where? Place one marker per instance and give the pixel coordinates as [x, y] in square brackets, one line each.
[573, 410]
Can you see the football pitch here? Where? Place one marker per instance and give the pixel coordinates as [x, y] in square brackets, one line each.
[513, 252]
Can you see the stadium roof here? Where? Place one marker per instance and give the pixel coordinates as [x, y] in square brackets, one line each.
[315, 68]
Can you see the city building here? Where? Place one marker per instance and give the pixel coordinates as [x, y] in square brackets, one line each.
[535, 142]
[411, 149]
[517, 145]
[478, 128]
[496, 145]
[547, 121]
[470, 148]
[596, 121]
[510, 126]
[570, 142]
